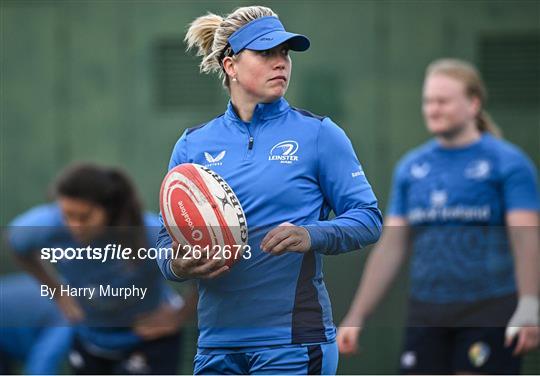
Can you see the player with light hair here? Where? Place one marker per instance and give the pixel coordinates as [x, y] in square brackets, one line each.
[289, 168]
[462, 200]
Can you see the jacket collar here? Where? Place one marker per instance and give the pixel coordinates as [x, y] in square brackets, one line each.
[263, 111]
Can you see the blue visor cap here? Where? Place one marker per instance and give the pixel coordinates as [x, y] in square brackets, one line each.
[265, 33]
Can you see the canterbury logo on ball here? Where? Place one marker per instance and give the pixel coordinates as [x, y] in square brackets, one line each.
[224, 201]
[284, 152]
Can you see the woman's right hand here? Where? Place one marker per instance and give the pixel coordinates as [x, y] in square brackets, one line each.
[70, 308]
[203, 267]
[347, 336]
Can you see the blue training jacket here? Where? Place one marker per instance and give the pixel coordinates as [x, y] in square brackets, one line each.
[286, 165]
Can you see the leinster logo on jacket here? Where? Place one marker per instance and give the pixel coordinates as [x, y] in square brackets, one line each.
[478, 170]
[284, 152]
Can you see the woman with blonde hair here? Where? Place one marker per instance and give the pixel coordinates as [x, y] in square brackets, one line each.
[473, 307]
[271, 312]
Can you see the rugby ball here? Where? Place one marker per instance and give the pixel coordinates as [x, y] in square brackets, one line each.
[200, 210]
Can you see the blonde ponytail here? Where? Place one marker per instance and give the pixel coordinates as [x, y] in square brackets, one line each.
[209, 35]
[200, 35]
[485, 123]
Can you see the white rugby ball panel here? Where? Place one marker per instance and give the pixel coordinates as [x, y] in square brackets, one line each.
[228, 203]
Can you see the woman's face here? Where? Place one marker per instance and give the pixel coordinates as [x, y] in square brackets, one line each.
[446, 107]
[262, 75]
[84, 219]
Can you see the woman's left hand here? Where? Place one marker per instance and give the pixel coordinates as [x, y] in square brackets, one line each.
[286, 238]
[528, 339]
[524, 325]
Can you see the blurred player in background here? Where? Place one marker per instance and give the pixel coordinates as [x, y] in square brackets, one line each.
[33, 331]
[97, 206]
[468, 202]
[289, 168]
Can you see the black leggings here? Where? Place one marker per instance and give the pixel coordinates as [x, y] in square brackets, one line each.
[160, 356]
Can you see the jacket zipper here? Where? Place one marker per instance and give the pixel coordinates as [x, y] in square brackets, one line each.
[251, 142]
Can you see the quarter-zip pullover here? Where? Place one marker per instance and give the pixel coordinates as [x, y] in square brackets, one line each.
[286, 165]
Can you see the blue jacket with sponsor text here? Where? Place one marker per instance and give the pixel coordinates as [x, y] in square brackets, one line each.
[286, 165]
[456, 201]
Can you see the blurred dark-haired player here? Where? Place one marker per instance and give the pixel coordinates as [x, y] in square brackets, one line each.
[96, 206]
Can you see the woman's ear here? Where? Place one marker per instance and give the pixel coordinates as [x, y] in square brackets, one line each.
[229, 66]
[476, 105]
